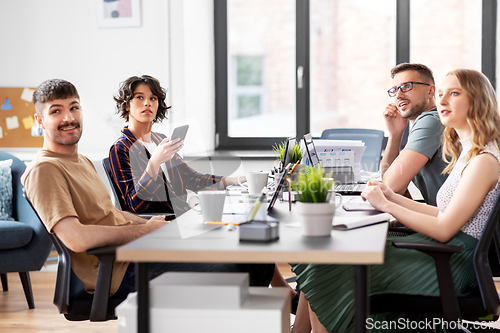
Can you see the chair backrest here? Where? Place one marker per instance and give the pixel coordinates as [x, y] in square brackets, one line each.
[40, 245]
[62, 290]
[370, 161]
[119, 201]
[484, 277]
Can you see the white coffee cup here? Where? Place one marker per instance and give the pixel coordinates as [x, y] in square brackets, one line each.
[211, 204]
[256, 181]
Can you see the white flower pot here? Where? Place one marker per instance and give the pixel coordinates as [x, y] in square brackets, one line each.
[316, 218]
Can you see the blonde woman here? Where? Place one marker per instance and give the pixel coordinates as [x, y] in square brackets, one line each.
[467, 106]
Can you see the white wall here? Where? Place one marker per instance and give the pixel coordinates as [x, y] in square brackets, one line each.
[40, 40]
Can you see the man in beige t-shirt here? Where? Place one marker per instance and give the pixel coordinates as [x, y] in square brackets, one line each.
[67, 192]
[74, 204]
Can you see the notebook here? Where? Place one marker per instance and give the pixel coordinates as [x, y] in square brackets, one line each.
[344, 184]
[362, 222]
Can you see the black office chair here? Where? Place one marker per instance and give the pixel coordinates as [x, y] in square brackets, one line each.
[370, 161]
[482, 304]
[83, 306]
[120, 200]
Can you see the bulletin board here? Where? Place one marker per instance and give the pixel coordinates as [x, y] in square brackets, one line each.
[17, 124]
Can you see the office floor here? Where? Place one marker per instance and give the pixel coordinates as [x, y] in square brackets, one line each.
[15, 317]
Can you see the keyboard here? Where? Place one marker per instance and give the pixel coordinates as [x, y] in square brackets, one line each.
[349, 189]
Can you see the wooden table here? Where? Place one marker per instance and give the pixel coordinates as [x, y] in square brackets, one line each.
[188, 240]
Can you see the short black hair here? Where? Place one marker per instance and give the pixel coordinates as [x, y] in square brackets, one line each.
[424, 71]
[51, 90]
[126, 94]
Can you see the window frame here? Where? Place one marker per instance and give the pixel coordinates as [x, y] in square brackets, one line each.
[224, 142]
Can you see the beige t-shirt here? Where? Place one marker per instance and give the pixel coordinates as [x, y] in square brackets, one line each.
[61, 186]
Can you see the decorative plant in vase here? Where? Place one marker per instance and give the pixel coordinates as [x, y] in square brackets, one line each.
[297, 152]
[313, 201]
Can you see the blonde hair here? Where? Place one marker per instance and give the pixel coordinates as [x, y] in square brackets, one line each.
[483, 117]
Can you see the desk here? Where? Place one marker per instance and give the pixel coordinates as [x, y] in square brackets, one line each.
[361, 247]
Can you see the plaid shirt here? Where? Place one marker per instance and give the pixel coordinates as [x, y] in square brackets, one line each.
[128, 161]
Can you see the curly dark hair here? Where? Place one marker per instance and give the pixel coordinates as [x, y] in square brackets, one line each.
[51, 90]
[126, 93]
[424, 71]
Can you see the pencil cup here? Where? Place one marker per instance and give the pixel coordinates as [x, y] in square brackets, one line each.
[211, 205]
[256, 181]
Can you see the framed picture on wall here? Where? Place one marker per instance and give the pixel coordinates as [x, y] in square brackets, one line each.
[118, 13]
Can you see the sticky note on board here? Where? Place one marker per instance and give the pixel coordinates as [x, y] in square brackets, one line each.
[6, 105]
[28, 122]
[1, 132]
[12, 122]
[27, 95]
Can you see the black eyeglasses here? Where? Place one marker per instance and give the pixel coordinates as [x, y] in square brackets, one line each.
[405, 87]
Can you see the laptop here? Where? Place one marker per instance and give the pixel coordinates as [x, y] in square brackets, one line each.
[287, 157]
[343, 175]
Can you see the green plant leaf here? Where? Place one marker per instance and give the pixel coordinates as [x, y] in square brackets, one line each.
[312, 185]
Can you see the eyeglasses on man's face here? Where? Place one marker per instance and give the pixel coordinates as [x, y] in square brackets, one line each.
[405, 87]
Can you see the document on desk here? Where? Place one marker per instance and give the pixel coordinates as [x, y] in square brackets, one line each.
[357, 204]
[358, 222]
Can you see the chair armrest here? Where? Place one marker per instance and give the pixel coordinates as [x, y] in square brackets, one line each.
[106, 256]
[102, 250]
[428, 248]
[441, 253]
[168, 216]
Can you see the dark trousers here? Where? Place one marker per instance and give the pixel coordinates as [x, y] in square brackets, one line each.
[259, 274]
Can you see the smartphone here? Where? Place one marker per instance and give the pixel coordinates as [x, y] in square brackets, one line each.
[179, 132]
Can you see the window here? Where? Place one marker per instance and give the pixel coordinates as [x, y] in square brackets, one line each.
[247, 92]
[286, 68]
[446, 42]
[352, 49]
[261, 49]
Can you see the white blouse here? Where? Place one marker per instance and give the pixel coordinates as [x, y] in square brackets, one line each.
[474, 227]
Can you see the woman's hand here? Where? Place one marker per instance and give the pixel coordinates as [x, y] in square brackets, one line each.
[156, 218]
[166, 150]
[388, 192]
[376, 196]
[163, 153]
[226, 181]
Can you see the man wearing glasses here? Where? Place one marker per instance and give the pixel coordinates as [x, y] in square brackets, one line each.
[413, 90]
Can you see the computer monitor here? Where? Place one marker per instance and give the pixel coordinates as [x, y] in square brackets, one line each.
[311, 150]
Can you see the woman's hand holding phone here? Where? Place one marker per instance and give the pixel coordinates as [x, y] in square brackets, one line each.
[164, 152]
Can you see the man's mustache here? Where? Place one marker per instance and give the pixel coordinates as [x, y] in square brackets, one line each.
[73, 123]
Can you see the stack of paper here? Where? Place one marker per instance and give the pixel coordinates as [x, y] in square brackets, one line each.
[336, 153]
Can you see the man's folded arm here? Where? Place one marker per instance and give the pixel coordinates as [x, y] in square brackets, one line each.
[80, 238]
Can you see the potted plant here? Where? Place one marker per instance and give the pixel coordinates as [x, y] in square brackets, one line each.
[313, 201]
[296, 155]
[297, 152]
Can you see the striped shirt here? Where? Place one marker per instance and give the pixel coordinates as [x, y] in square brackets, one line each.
[141, 194]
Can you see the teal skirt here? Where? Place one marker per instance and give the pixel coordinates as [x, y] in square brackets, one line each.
[330, 288]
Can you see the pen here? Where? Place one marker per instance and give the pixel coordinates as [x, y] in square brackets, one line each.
[220, 223]
[224, 223]
[257, 205]
[294, 166]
